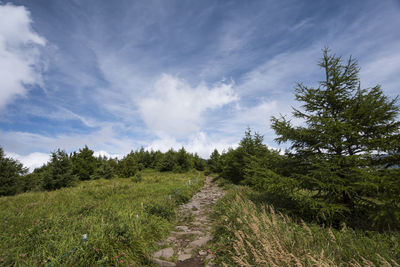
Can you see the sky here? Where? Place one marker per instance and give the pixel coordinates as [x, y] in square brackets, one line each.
[120, 75]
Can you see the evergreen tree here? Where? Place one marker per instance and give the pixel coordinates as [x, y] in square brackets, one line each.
[83, 163]
[128, 166]
[11, 173]
[235, 161]
[198, 163]
[214, 163]
[58, 172]
[104, 169]
[346, 133]
[183, 160]
[167, 162]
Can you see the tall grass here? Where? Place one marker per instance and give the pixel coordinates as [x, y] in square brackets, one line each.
[123, 220]
[250, 235]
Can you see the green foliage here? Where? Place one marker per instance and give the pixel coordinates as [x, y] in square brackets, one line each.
[105, 169]
[183, 160]
[123, 222]
[348, 135]
[11, 173]
[167, 162]
[84, 166]
[128, 166]
[83, 163]
[58, 172]
[137, 178]
[235, 162]
[198, 163]
[163, 210]
[214, 164]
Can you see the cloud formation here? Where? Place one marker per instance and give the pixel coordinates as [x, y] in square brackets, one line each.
[175, 108]
[20, 57]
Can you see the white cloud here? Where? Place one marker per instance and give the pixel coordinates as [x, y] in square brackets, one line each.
[279, 74]
[103, 153]
[103, 139]
[32, 160]
[19, 53]
[175, 108]
[383, 69]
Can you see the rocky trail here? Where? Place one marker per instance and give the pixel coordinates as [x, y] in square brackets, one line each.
[185, 245]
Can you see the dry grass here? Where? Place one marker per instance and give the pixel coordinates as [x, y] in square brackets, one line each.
[254, 236]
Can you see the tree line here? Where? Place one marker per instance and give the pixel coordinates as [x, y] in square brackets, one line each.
[342, 163]
[63, 169]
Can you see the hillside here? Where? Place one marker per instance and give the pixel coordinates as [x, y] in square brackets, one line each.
[122, 218]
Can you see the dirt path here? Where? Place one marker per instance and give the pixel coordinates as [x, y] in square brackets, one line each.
[184, 245]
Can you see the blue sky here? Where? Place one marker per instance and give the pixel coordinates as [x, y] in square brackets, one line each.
[120, 75]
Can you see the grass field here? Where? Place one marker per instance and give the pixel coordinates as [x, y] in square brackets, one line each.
[247, 234]
[122, 218]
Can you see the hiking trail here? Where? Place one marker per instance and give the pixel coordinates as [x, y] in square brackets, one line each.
[185, 245]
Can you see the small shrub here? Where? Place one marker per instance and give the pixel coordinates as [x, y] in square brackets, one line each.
[137, 178]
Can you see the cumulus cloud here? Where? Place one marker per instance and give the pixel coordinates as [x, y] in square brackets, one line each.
[32, 160]
[176, 109]
[19, 53]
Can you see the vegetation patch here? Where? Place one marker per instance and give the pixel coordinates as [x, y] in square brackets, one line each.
[123, 221]
[247, 234]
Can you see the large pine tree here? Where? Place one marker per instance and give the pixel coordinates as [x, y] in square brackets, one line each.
[347, 134]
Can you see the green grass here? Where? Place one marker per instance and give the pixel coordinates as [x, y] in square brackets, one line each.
[247, 234]
[123, 220]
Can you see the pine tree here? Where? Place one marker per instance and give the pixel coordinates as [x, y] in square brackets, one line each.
[128, 166]
[183, 161]
[83, 163]
[198, 163]
[11, 172]
[346, 133]
[167, 161]
[58, 172]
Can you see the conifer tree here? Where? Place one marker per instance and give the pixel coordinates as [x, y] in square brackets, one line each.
[58, 172]
[83, 163]
[346, 132]
[214, 163]
[11, 172]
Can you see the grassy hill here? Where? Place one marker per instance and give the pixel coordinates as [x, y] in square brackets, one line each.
[122, 218]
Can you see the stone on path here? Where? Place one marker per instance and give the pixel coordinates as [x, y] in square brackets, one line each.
[184, 257]
[200, 242]
[202, 252]
[164, 253]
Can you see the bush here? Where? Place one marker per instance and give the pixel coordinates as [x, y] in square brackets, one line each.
[137, 178]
